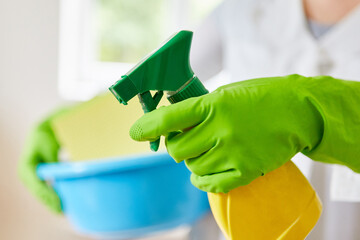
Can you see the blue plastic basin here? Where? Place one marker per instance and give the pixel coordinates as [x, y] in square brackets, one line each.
[126, 197]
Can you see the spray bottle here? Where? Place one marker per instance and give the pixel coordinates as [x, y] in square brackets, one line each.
[280, 205]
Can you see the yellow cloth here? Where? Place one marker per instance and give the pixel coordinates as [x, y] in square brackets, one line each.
[99, 128]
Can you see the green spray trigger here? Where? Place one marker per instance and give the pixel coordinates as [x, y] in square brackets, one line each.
[149, 103]
[165, 69]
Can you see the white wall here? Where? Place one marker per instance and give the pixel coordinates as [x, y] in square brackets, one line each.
[28, 90]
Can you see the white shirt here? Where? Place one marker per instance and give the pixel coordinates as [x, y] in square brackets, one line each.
[261, 38]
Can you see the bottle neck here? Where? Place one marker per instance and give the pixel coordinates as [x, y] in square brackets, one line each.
[192, 88]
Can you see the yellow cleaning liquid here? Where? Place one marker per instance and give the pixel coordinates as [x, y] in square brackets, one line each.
[280, 205]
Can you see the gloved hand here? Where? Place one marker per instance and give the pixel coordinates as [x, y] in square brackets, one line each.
[41, 146]
[244, 130]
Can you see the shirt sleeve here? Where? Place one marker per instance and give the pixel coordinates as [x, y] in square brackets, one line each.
[206, 52]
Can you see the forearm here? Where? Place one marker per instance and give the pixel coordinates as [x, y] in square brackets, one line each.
[338, 102]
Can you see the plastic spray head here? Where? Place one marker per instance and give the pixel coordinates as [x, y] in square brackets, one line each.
[165, 69]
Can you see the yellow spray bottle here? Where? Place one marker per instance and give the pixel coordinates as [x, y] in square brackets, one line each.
[280, 205]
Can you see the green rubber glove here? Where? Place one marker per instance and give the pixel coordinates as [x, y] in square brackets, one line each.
[41, 146]
[244, 130]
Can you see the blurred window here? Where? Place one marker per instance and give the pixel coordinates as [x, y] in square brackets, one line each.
[101, 39]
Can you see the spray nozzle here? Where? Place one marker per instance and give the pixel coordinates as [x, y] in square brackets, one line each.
[165, 69]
